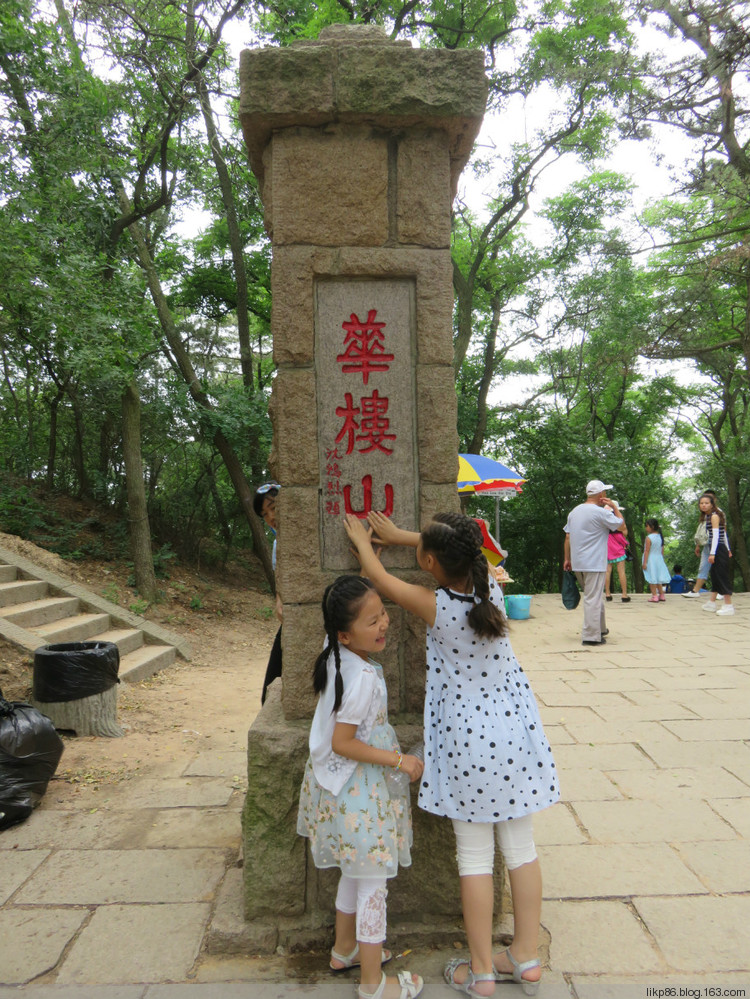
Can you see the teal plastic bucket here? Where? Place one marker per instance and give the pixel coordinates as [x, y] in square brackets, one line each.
[518, 606]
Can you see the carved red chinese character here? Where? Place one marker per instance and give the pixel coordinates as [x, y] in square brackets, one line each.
[347, 413]
[367, 499]
[374, 424]
[363, 346]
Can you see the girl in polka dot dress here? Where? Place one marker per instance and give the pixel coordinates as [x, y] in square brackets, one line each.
[488, 765]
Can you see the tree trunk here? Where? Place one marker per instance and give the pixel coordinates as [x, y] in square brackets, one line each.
[236, 473]
[233, 231]
[79, 461]
[49, 479]
[736, 535]
[138, 525]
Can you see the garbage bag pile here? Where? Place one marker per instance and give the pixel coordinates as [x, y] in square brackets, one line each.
[30, 750]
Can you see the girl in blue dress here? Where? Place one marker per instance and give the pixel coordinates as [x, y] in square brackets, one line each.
[655, 570]
[355, 817]
[488, 765]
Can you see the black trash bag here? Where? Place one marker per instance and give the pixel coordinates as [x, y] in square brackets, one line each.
[570, 593]
[30, 750]
[72, 670]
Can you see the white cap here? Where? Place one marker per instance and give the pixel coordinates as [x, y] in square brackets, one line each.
[596, 486]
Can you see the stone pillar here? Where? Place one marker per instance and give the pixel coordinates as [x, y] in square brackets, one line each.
[357, 143]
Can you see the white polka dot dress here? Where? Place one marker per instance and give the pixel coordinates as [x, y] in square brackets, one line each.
[487, 758]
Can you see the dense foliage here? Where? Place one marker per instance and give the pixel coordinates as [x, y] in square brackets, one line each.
[599, 341]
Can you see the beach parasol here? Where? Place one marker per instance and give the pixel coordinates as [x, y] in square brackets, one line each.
[487, 477]
[477, 474]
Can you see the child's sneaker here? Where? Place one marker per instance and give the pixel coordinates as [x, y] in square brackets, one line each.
[691, 593]
[726, 610]
[709, 606]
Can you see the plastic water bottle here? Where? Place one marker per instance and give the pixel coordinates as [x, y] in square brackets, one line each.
[398, 780]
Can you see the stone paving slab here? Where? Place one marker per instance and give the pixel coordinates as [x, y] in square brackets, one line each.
[591, 870]
[602, 732]
[704, 705]
[723, 867]
[693, 932]
[710, 730]
[218, 764]
[192, 827]
[557, 825]
[587, 784]
[578, 698]
[690, 783]
[137, 943]
[17, 867]
[589, 937]
[76, 992]
[103, 877]
[671, 822]
[32, 942]
[198, 792]
[602, 757]
[694, 986]
[735, 811]
[52, 829]
[658, 709]
[735, 756]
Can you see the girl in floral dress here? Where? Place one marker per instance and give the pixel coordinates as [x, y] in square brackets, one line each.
[356, 818]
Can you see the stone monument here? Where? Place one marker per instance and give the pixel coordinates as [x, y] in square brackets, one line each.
[357, 143]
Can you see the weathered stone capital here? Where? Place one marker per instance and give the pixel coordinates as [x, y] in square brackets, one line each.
[355, 74]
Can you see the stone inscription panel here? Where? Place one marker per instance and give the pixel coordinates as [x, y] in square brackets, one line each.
[364, 372]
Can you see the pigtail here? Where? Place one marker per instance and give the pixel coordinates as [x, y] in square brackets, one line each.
[340, 606]
[484, 617]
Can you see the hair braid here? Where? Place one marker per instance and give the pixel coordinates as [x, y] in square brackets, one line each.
[340, 604]
[456, 542]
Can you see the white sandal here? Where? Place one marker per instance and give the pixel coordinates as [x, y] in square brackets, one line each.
[352, 960]
[409, 988]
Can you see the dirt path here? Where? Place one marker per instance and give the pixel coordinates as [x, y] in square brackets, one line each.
[206, 704]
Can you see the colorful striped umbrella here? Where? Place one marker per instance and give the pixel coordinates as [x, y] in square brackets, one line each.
[477, 474]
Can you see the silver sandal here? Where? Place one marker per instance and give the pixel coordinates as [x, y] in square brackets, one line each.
[449, 973]
[529, 988]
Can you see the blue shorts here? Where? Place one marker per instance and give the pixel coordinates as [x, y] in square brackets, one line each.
[704, 567]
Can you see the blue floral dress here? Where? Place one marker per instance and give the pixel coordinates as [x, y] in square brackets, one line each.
[362, 826]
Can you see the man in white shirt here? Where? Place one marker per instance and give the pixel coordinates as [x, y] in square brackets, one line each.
[586, 533]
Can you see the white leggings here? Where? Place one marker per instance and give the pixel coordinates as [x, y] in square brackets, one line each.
[475, 844]
[365, 897]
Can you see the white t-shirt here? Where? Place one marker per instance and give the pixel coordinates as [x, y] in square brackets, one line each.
[589, 526]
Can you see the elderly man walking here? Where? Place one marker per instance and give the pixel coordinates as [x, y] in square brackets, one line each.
[586, 534]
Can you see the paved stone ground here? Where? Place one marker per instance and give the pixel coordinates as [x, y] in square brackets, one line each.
[646, 862]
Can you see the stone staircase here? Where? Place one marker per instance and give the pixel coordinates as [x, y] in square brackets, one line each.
[38, 607]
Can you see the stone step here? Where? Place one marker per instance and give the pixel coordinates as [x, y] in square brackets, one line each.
[126, 639]
[146, 661]
[39, 612]
[21, 591]
[75, 628]
[8, 573]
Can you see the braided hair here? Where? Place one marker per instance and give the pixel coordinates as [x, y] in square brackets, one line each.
[456, 542]
[341, 602]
